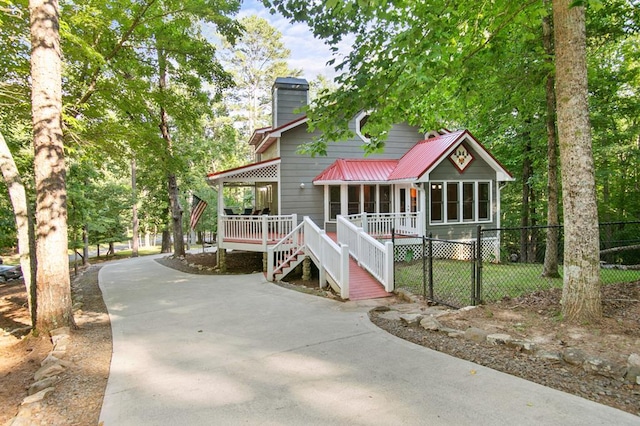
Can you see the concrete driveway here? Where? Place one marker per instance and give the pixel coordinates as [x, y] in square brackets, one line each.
[208, 350]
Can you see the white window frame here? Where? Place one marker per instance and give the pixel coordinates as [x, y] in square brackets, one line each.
[476, 202]
[359, 118]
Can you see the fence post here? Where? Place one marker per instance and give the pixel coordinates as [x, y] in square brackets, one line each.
[393, 255]
[478, 271]
[430, 266]
[424, 267]
[474, 262]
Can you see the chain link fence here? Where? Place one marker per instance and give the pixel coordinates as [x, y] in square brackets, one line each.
[511, 262]
[440, 270]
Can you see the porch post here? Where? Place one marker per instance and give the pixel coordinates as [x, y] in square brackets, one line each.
[364, 223]
[220, 236]
[388, 267]
[344, 269]
[422, 214]
[265, 231]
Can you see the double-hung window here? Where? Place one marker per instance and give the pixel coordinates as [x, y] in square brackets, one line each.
[455, 202]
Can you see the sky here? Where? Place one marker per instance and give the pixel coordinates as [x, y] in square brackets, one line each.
[307, 53]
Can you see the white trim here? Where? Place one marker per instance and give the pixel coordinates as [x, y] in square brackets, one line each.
[226, 176]
[501, 173]
[461, 221]
[359, 118]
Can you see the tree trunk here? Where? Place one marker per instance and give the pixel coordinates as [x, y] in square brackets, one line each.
[135, 225]
[581, 291]
[24, 224]
[176, 209]
[527, 174]
[85, 245]
[52, 277]
[550, 267]
[166, 242]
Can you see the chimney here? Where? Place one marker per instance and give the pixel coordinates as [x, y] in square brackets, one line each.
[288, 94]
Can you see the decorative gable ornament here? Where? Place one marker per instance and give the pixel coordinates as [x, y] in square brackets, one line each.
[461, 158]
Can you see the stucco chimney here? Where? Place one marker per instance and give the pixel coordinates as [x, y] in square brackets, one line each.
[288, 94]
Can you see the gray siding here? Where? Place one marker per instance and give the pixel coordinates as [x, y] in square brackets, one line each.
[296, 168]
[478, 170]
[287, 101]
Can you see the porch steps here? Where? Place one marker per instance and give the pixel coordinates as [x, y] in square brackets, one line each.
[362, 285]
[284, 270]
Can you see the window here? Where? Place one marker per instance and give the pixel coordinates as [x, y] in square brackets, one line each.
[369, 192]
[468, 208]
[353, 199]
[334, 202]
[385, 199]
[361, 120]
[413, 193]
[436, 202]
[484, 206]
[452, 202]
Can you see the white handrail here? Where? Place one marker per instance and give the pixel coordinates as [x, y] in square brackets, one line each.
[333, 259]
[285, 250]
[375, 257]
[381, 224]
[257, 229]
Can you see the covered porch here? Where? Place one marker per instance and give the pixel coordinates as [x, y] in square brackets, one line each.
[248, 206]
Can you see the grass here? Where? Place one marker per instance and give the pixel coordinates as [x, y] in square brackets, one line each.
[453, 279]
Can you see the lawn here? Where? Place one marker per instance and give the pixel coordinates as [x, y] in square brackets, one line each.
[452, 280]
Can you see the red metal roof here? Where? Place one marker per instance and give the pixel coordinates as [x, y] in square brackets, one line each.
[423, 155]
[412, 165]
[357, 170]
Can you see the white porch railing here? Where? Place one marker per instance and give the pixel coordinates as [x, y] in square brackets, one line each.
[285, 251]
[331, 258]
[381, 224]
[256, 229]
[375, 257]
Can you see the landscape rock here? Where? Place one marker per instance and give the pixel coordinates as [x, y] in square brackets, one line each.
[605, 368]
[574, 356]
[633, 368]
[61, 340]
[475, 334]
[499, 338]
[43, 384]
[60, 331]
[411, 319]
[523, 346]
[36, 397]
[430, 323]
[550, 356]
[48, 371]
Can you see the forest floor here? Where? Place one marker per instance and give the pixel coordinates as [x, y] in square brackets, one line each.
[78, 396]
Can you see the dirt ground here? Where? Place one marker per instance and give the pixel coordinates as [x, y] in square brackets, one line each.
[78, 397]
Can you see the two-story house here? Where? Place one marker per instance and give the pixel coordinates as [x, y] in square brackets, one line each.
[444, 183]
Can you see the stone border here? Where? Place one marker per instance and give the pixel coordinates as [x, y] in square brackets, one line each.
[45, 379]
[416, 315]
